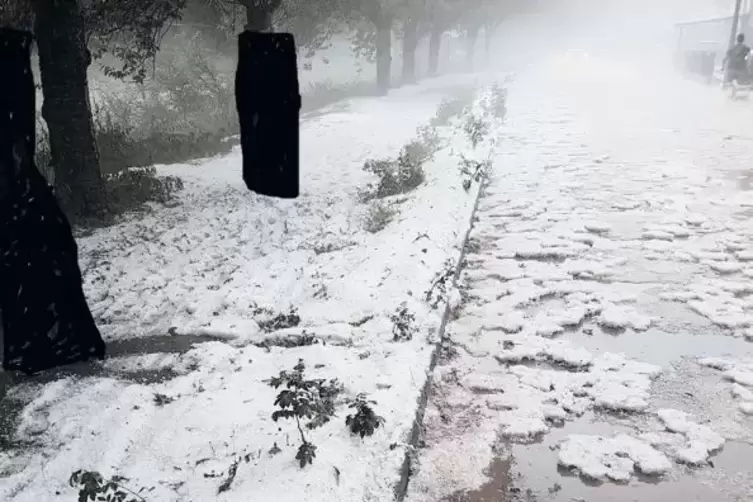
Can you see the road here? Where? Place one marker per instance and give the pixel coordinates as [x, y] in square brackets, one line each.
[603, 349]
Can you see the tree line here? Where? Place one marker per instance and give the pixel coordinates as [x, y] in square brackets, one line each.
[71, 35]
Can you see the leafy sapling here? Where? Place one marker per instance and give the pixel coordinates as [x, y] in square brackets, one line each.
[403, 324]
[93, 486]
[364, 422]
[281, 321]
[305, 399]
[441, 285]
[473, 171]
[476, 129]
[497, 102]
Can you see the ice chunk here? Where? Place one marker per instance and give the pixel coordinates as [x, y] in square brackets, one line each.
[659, 235]
[597, 228]
[549, 329]
[615, 458]
[741, 392]
[724, 267]
[746, 407]
[742, 376]
[484, 383]
[620, 317]
[718, 363]
[695, 220]
[700, 440]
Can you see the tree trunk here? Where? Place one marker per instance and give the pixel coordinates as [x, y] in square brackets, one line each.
[488, 33]
[268, 101]
[63, 61]
[435, 42]
[259, 14]
[471, 38]
[384, 54]
[410, 43]
[46, 321]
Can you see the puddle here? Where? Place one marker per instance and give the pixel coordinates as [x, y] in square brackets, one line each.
[658, 347]
[165, 344]
[494, 490]
[536, 471]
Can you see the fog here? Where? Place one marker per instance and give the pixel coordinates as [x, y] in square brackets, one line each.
[639, 31]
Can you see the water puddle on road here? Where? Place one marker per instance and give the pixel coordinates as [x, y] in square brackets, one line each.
[493, 490]
[539, 478]
[658, 347]
[684, 385]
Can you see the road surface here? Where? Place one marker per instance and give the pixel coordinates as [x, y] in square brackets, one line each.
[603, 349]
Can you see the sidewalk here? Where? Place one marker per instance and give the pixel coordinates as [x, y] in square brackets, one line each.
[203, 302]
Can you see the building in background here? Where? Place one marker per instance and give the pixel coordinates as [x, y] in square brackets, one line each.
[701, 45]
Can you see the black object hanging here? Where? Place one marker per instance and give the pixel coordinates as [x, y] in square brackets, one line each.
[269, 103]
[46, 321]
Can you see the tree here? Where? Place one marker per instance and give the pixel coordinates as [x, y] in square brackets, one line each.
[313, 23]
[412, 14]
[374, 38]
[442, 14]
[131, 30]
[46, 321]
[485, 15]
[60, 32]
[259, 13]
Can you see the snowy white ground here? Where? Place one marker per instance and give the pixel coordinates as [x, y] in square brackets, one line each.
[206, 266]
[604, 340]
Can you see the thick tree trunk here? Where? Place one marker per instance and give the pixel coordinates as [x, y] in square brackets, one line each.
[384, 54]
[45, 318]
[435, 43]
[489, 30]
[470, 41]
[63, 61]
[410, 43]
[259, 14]
[268, 101]
[487, 44]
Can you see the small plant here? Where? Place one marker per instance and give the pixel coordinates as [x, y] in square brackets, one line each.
[162, 399]
[442, 282]
[231, 473]
[95, 487]
[132, 188]
[303, 399]
[429, 138]
[280, 321]
[305, 339]
[379, 216]
[449, 108]
[364, 422]
[475, 128]
[472, 171]
[403, 324]
[405, 173]
[473, 246]
[497, 102]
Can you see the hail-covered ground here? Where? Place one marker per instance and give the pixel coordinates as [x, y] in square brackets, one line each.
[603, 350]
[599, 342]
[203, 301]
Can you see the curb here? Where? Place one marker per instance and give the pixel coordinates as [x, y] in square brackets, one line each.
[401, 489]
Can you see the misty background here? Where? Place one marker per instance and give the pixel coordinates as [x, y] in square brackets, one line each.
[185, 108]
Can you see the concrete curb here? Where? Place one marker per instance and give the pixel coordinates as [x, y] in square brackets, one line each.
[401, 489]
